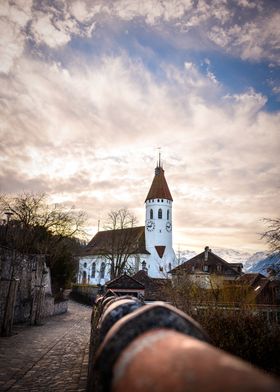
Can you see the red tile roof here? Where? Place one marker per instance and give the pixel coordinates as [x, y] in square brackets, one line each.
[250, 279]
[124, 282]
[156, 289]
[159, 188]
[104, 241]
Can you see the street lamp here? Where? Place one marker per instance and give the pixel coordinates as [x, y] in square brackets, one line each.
[8, 215]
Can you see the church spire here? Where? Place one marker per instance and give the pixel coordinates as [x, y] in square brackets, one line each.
[159, 188]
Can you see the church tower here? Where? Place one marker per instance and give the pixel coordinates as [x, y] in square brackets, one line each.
[158, 225]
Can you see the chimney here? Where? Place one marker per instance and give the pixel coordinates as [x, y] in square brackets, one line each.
[144, 267]
[271, 273]
[206, 253]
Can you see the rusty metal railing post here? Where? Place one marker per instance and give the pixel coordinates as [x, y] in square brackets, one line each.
[158, 348]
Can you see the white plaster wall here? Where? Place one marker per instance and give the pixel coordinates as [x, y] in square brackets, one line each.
[159, 236]
[85, 265]
[158, 267]
[135, 262]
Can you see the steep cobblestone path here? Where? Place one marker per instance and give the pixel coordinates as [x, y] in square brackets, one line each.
[51, 357]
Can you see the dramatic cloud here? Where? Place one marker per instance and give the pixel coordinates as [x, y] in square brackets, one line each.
[81, 120]
[249, 29]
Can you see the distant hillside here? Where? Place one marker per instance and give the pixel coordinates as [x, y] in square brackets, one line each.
[269, 261]
[254, 259]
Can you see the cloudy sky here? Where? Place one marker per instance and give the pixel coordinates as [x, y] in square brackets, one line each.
[90, 89]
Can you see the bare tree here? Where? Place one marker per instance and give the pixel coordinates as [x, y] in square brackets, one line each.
[36, 228]
[122, 240]
[272, 233]
[33, 210]
[272, 237]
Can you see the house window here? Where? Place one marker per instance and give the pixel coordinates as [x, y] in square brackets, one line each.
[102, 270]
[161, 269]
[151, 214]
[205, 268]
[219, 268]
[193, 269]
[168, 214]
[85, 265]
[160, 213]
[93, 269]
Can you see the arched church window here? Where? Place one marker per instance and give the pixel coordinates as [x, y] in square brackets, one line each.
[93, 270]
[151, 214]
[168, 214]
[160, 213]
[85, 265]
[102, 270]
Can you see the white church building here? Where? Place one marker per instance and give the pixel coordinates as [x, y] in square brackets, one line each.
[152, 248]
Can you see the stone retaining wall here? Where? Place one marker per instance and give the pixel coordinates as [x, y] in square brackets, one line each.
[33, 278]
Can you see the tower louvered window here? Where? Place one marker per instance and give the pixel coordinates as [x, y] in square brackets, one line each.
[168, 214]
[151, 214]
[160, 213]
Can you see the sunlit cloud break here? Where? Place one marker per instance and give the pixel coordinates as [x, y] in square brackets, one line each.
[90, 90]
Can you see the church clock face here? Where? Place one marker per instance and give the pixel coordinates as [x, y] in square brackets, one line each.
[150, 225]
[168, 226]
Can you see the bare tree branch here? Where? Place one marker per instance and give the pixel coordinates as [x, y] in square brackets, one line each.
[120, 243]
[272, 234]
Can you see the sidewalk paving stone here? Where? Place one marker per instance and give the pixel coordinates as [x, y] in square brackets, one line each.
[50, 357]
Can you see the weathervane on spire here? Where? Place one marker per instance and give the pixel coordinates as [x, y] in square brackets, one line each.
[159, 156]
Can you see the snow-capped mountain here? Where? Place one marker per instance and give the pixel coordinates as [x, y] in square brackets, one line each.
[185, 255]
[232, 255]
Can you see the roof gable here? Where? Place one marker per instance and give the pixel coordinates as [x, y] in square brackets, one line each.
[199, 260]
[155, 288]
[124, 282]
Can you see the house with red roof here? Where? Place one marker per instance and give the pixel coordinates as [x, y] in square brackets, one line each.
[204, 266]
